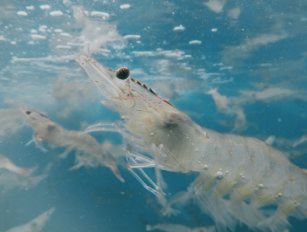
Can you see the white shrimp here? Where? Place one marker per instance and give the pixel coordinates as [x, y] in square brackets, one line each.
[89, 152]
[241, 179]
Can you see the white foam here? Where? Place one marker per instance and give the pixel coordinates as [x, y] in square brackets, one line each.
[195, 42]
[22, 13]
[63, 47]
[38, 37]
[33, 31]
[45, 7]
[43, 28]
[160, 52]
[30, 7]
[65, 34]
[56, 13]
[179, 28]
[125, 6]
[58, 30]
[101, 14]
[214, 29]
[221, 101]
[132, 37]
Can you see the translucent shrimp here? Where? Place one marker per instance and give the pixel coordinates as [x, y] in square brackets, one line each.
[7, 164]
[13, 176]
[241, 180]
[89, 152]
[35, 225]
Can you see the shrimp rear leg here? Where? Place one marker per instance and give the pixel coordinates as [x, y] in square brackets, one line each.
[155, 188]
[140, 175]
[136, 164]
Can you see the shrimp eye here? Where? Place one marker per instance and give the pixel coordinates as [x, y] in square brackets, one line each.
[122, 73]
[28, 112]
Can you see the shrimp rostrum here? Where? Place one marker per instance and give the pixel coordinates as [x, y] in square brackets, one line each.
[241, 180]
[89, 152]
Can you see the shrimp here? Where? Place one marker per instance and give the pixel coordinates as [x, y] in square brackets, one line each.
[35, 225]
[13, 176]
[89, 152]
[8, 165]
[241, 180]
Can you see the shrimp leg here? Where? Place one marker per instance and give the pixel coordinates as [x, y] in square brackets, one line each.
[139, 161]
[136, 163]
[142, 178]
[167, 210]
[65, 153]
[38, 143]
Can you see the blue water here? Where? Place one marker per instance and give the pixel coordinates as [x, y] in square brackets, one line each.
[252, 52]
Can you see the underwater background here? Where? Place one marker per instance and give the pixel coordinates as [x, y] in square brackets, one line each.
[232, 66]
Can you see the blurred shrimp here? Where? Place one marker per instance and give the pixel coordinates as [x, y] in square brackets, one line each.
[7, 164]
[89, 152]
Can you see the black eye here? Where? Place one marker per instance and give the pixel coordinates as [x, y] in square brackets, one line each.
[122, 73]
[28, 112]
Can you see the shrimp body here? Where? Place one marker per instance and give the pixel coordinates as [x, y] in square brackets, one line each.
[89, 152]
[241, 180]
